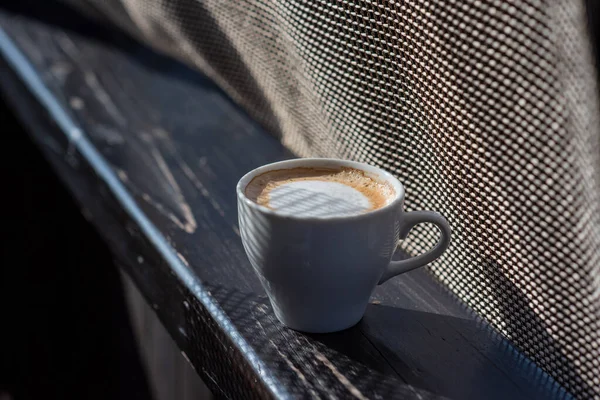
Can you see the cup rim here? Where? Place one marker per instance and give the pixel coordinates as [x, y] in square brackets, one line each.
[321, 162]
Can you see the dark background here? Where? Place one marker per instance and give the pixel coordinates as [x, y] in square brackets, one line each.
[64, 328]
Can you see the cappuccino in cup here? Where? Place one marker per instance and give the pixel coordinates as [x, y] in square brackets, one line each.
[319, 192]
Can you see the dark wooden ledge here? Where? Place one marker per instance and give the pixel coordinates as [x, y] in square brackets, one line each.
[151, 150]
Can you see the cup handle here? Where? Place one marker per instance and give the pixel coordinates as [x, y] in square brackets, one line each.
[411, 219]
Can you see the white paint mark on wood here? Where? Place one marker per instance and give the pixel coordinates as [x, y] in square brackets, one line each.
[61, 70]
[189, 224]
[343, 380]
[183, 259]
[297, 371]
[162, 134]
[182, 331]
[289, 363]
[206, 373]
[185, 226]
[186, 358]
[104, 98]
[122, 175]
[109, 135]
[263, 308]
[200, 186]
[76, 103]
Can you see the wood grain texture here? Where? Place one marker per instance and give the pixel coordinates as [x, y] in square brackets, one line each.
[119, 123]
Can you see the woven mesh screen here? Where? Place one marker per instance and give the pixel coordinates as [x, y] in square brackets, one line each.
[486, 110]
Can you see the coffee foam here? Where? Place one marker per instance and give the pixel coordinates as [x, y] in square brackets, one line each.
[319, 192]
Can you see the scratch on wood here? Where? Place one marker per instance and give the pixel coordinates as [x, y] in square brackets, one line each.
[189, 225]
[186, 356]
[109, 135]
[103, 97]
[160, 133]
[205, 193]
[182, 258]
[164, 168]
[160, 208]
[262, 308]
[165, 138]
[209, 376]
[343, 380]
[182, 331]
[67, 45]
[290, 363]
[299, 373]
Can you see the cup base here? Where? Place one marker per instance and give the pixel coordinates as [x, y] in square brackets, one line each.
[321, 326]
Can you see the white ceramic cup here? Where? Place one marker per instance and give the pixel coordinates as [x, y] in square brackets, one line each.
[319, 272]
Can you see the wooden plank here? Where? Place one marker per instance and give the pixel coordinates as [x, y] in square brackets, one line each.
[153, 150]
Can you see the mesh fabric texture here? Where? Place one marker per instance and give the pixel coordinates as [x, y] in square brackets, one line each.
[487, 111]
